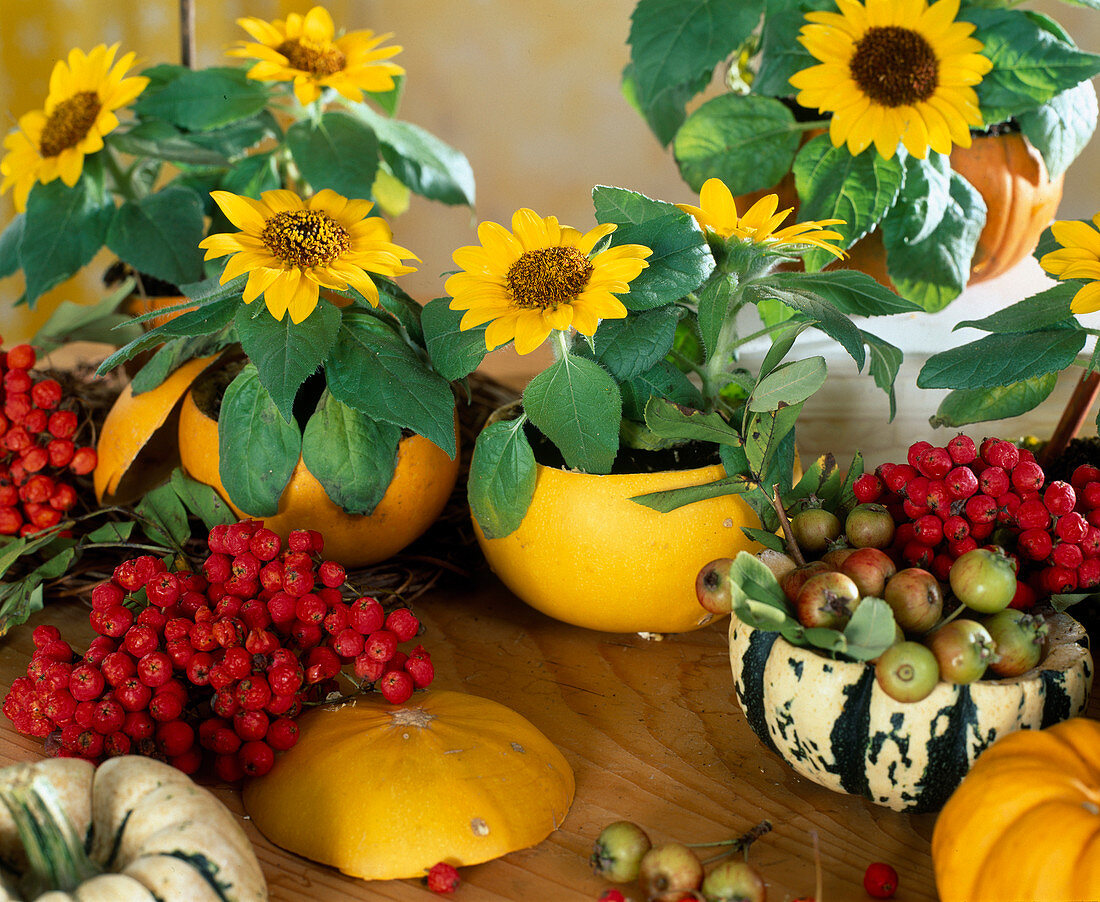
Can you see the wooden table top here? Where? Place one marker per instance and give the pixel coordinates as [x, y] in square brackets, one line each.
[651, 728]
[652, 731]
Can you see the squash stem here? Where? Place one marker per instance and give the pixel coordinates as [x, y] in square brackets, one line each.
[54, 851]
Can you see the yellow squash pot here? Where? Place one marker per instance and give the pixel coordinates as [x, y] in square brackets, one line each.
[383, 791]
[422, 482]
[588, 555]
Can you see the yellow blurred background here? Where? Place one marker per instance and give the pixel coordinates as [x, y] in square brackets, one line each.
[529, 91]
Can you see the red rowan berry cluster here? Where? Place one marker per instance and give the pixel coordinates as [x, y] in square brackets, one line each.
[220, 662]
[949, 500]
[37, 452]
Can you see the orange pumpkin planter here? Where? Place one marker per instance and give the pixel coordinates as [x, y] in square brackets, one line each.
[1021, 200]
[423, 479]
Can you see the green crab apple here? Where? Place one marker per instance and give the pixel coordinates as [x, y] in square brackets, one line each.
[827, 600]
[963, 649]
[916, 598]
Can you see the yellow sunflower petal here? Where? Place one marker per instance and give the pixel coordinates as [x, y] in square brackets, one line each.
[1087, 300]
[501, 330]
[531, 331]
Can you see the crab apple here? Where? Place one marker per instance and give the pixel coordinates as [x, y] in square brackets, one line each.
[827, 600]
[734, 881]
[907, 671]
[869, 526]
[983, 580]
[618, 850]
[916, 598]
[963, 649]
[791, 582]
[712, 586]
[1018, 638]
[669, 869]
[815, 529]
[869, 568]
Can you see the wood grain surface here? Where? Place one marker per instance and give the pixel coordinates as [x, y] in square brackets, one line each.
[651, 728]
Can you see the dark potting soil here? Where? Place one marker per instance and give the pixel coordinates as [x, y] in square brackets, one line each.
[632, 460]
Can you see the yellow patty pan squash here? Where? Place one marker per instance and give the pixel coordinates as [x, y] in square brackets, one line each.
[383, 791]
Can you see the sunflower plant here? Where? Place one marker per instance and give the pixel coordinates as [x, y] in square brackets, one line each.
[326, 358]
[129, 160]
[1014, 367]
[890, 87]
[646, 317]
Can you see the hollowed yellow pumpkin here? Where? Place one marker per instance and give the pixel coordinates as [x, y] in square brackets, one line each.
[422, 482]
[383, 791]
[588, 555]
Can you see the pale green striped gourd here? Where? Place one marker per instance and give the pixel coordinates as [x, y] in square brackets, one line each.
[832, 723]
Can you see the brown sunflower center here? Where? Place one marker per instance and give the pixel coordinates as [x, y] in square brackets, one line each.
[895, 66]
[323, 60]
[305, 238]
[548, 276]
[69, 123]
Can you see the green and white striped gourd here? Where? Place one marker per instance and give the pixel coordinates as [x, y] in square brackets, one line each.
[832, 723]
[131, 830]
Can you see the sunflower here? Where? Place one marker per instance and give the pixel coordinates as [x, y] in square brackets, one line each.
[894, 71]
[1078, 258]
[305, 50]
[717, 213]
[291, 248]
[80, 109]
[539, 277]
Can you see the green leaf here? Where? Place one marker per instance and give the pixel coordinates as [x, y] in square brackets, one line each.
[199, 99]
[202, 500]
[628, 347]
[427, 165]
[1061, 128]
[1049, 309]
[1002, 359]
[576, 404]
[287, 353]
[824, 315]
[252, 176]
[832, 184]
[923, 201]
[783, 338]
[666, 111]
[871, 630]
[208, 318]
[337, 152]
[978, 405]
[846, 499]
[1030, 64]
[933, 272]
[671, 499]
[10, 239]
[750, 578]
[167, 358]
[820, 479]
[746, 141]
[715, 298]
[352, 456]
[763, 437]
[788, 383]
[781, 56]
[662, 381]
[454, 353]
[159, 234]
[17, 602]
[673, 42]
[669, 420]
[159, 140]
[11, 549]
[167, 517]
[502, 477]
[113, 531]
[63, 230]
[258, 450]
[680, 261]
[849, 291]
[99, 322]
[371, 369]
[885, 363]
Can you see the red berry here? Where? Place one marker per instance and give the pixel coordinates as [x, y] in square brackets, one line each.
[1071, 527]
[1027, 476]
[404, 624]
[250, 725]
[1084, 474]
[284, 679]
[62, 424]
[1033, 514]
[939, 498]
[999, 453]
[396, 686]
[867, 488]
[366, 615]
[1066, 555]
[962, 449]
[368, 668]
[332, 574]
[421, 670]
[265, 544]
[256, 758]
[1059, 498]
[175, 738]
[961, 482]
[322, 663]
[898, 477]
[254, 692]
[880, 880]
[956, 528]
[443, 878]
[20, 357]
[165, 707]
[84, 461]
[1088, 574]
[994, 481]
[1035, 544]
[282, 734]
[916, 452]
[928, 530]
[46, 394]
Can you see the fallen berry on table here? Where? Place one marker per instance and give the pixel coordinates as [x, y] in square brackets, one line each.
[618, 850]
[880, 880]
[443, 878]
